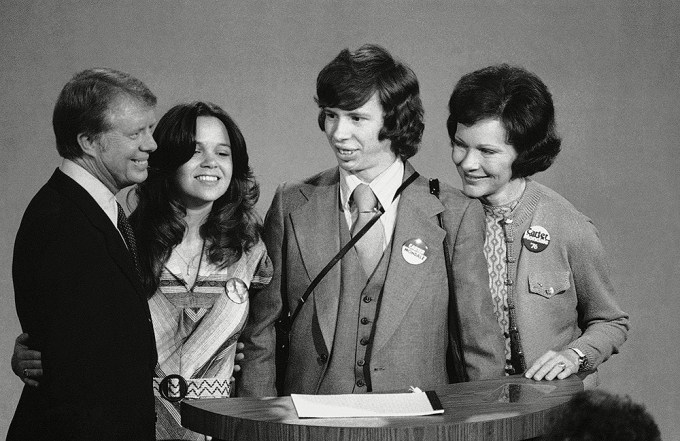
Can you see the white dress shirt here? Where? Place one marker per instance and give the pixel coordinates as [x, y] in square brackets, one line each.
[99, 192]
[384, 187]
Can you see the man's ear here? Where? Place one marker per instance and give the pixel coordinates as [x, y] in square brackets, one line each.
[88, 143]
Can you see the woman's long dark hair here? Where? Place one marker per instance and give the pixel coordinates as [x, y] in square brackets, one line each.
[231, 228]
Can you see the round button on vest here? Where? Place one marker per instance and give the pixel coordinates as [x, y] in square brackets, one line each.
[363, 341]
[361, 383]
[368, 299]
[361, 362]
[365, 321]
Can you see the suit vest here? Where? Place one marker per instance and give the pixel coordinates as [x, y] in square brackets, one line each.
[349, 364]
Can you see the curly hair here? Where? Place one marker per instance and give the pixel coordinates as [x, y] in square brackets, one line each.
[597, 415]
[231, 228]
[351, 79]
[523, 105]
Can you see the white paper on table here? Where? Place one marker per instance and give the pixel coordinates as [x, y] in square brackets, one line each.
[363, 405]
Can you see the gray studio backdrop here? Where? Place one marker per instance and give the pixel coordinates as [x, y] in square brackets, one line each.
[612, 67]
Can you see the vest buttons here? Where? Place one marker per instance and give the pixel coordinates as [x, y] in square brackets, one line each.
[363, 341]
[368, 299]
[361, 383]
[361, 363]
[322, 358]
[365, 321]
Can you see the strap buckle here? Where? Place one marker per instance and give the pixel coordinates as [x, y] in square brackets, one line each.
[173, 388]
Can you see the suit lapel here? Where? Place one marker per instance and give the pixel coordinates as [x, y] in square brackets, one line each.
[114, 242]
[316, 227]
[416, 219]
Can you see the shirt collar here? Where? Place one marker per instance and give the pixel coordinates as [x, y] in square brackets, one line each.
[102, 195]
[384, 186]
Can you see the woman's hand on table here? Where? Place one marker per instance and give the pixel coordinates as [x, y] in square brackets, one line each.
[552, 365]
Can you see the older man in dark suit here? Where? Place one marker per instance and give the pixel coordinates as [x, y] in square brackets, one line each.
[383, 318]
[77, 287]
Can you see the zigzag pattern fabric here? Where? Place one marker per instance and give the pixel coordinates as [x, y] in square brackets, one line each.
[495, 252]
[198, 388]
[197, 329]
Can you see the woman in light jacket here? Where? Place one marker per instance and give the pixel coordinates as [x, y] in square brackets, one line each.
[549, 278]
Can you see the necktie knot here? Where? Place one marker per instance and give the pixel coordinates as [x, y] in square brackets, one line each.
[364, 198]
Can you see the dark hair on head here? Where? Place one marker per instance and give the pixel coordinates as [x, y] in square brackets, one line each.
[85, 101]
[351, 79]
[522, 103]
[231, 228]
[597, 415]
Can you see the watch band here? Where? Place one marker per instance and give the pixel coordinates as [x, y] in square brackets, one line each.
[581, 358]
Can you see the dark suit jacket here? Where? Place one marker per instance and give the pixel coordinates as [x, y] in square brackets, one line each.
[412, 329]
[79, 298]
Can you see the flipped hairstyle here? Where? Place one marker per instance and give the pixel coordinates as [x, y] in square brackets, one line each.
[597, 415]
[351, 79]
[522, 103]
[85, 101]
[231, 228]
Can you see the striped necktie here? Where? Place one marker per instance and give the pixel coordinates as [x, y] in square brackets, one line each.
[129, 236]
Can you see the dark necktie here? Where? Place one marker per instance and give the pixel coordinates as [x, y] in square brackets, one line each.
[129, 236]
[370, 246]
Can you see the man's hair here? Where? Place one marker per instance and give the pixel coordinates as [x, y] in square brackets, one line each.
[597, 415]
[523, 105]
[351, 79]
[85, 101]
[232, 227]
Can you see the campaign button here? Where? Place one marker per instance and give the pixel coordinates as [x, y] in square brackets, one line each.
[536, 239]
[236, 290]
[415, 251]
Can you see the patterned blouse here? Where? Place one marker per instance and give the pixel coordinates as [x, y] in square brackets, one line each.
[495, 252]
[197, 328]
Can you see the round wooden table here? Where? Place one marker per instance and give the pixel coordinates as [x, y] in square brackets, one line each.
[511, 408]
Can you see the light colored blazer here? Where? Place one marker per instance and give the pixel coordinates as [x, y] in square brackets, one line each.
[412, 328]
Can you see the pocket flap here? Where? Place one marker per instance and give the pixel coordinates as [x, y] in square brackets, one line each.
[548, 284]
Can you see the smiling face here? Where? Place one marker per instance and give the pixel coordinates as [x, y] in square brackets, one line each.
[119, 156]
[207, 175]
[353, 136]
[484, 161]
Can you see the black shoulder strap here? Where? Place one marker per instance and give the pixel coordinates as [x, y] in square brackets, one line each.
[343, 250]
[455, 358]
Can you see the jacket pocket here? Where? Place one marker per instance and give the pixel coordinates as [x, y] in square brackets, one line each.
[548, 284]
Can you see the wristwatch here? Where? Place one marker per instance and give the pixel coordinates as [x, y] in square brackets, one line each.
[581, 359]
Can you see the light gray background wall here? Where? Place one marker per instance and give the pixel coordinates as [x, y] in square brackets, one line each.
[612, 67]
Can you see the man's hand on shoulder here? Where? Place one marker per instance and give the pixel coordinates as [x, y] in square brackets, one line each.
[26, 363]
